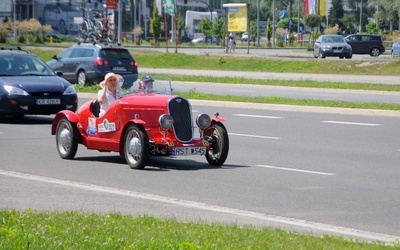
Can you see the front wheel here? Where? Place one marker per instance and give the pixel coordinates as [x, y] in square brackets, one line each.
[66, 139]
[136, 147]
[217, 136]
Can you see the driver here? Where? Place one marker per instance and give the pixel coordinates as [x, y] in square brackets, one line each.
[146, 84]
[109, 92]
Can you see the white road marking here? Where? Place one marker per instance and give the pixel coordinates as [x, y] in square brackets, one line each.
[259, 116]
[208, 207]
[352, 123]
[295, 170]
[257, 136]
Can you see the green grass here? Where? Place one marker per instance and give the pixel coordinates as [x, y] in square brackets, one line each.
[74, 230]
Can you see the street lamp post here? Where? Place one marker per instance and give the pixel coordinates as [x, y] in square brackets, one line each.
[209, 7]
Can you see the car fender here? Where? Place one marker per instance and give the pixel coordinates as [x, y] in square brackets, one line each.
[217, 118]
[70, 115]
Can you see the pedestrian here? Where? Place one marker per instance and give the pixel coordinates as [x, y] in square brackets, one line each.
[232, 42]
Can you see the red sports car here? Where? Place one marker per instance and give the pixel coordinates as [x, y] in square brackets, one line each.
[142, 124]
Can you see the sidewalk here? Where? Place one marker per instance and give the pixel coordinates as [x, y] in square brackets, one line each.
[392, 80]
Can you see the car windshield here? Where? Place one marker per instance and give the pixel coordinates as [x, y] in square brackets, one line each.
[13, 65]
[332, 39]
[159, 86]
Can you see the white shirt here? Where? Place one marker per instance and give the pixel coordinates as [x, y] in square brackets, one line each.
[110, 101]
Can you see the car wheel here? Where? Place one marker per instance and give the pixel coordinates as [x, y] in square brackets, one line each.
[315, 54]
[321, 55]
[375, 52]
[349, 56]
[136, 147]
[217, 136]
[66, 139]
[62, 27]
[392, 54]
[111, 33]
[81, 77]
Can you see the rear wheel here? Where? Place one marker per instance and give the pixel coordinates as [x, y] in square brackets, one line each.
[81, 78]
[375, 52]
[217, 137]
[66, 139]
[111, 33]
[136, 147]
[84, 31]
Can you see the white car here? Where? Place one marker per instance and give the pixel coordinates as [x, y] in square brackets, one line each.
[202, 39]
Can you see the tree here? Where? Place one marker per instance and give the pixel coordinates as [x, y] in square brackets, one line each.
[313, 20]
[206, 27]
[156, 24]
[219, 29]
[336, 13]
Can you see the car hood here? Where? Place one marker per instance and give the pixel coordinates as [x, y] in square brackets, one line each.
[36, 84]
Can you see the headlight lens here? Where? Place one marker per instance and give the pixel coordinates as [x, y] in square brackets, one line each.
[166, 121]
[70, 90]
[203, 121]
[15, 90]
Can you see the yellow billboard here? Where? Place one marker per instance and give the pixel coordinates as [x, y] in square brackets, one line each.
[237, 19]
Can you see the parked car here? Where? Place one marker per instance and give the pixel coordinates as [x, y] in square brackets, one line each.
[332, 45]
[395, 51]
[85, 63]
[366, 44]
[143, 124]
[244, 37]
[29, 86]
[61, 17]
[202, 39]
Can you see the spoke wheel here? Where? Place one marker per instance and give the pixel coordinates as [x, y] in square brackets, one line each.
[62, 27]
[136, 147]
[217, 136]
[66, 139]
[84, 31]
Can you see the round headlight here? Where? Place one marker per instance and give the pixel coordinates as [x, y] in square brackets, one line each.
[166, 121]
[203, 121]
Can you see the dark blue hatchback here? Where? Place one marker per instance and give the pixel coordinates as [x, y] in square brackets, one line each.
[85, 63]
[29, 86]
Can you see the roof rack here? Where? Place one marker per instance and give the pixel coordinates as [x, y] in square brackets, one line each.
[14, 48]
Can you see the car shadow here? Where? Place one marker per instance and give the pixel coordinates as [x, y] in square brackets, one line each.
[26, 119]
[160, 163]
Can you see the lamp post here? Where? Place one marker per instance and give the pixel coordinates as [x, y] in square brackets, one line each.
[209, 8]
[361, 8]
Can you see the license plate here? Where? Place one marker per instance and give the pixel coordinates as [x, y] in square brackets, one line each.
[189, 151]
[337, 51]
[48, 101]
[119, 68]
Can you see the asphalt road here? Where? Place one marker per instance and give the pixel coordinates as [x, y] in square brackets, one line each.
[305, 171]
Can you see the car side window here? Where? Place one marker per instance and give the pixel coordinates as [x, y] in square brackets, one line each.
[88, 53]
[65, 54]
[77, 52]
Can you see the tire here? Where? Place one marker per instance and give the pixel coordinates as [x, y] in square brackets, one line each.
[375, 52]
[66, 139]
[321, 55]
[84, 31]
[349, 56]
[81, 78]
[217, 136]
[62, 27]
[315, 55]
[111, 33]
[136, 147]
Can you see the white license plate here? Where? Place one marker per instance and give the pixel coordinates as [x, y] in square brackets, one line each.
[337, 51]
[48, 101]
[189, 151]
[119, 68]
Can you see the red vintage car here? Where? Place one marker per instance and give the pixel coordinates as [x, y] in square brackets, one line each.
[142, 124]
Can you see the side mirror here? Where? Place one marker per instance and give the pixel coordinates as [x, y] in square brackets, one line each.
[59, 73]
[55, 57]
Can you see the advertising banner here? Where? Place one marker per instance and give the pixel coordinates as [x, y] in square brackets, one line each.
[112, 4]
[169, 7]
[237, 19]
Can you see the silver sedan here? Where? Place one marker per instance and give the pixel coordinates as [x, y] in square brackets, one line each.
[332, 45]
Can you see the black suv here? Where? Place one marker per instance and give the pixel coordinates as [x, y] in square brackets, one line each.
[366, 44]
[85, 63]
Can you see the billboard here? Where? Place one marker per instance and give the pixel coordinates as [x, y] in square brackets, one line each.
[237, 17]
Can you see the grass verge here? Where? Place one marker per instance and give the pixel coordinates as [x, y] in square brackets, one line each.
[72, 230]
